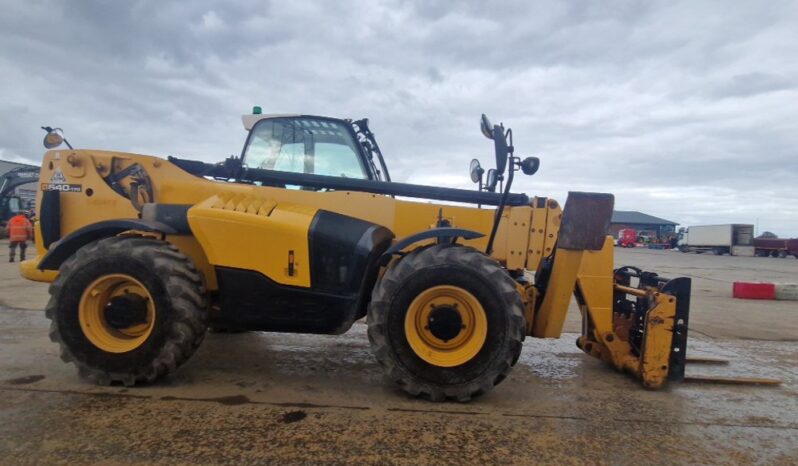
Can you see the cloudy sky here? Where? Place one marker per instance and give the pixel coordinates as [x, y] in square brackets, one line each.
[684, 110]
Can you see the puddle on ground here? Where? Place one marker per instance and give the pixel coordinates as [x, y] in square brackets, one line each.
[28, 379]
[293, 416]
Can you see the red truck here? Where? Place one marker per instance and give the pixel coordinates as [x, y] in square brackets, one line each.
[776, 247]
[627, 238]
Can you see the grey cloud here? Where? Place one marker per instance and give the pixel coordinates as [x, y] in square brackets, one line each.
[686, 110]
[750, 84]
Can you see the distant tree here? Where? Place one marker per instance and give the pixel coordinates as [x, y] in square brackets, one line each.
[767, 234]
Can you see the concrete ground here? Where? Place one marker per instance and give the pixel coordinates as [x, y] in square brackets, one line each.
[264, 398]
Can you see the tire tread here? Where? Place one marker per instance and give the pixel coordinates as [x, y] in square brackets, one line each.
[184, 288]
[431, 256]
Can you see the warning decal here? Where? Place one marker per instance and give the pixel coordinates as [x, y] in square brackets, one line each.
[58, 176]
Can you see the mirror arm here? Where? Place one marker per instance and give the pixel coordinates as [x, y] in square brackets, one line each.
[500, 208]
[479, 206]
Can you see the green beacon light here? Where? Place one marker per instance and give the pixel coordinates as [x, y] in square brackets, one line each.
[256, 110]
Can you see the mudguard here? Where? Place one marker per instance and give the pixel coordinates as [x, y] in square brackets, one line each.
[62, 249]
[438, 233]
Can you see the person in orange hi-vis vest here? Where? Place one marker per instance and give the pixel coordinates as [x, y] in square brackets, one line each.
[20, 230]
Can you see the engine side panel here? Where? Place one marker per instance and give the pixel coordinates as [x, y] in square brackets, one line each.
[254, 233]
[344, 263]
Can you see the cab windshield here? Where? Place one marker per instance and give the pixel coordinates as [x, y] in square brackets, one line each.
[304, 145]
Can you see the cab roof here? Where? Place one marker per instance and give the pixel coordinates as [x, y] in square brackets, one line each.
[250, 120]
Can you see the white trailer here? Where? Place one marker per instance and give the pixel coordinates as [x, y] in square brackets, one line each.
[734, 239]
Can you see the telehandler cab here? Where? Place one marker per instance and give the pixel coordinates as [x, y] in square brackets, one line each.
[305, 232]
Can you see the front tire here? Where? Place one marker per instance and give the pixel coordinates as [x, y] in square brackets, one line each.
[127, 309]
[446, 322]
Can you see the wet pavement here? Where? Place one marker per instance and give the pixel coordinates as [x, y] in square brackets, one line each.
[262, 398]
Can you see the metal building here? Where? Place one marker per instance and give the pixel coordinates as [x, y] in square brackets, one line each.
[657, 228]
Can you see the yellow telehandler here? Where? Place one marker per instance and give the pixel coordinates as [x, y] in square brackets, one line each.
[305, 232]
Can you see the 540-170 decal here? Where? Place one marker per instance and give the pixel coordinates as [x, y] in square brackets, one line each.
[63, 187]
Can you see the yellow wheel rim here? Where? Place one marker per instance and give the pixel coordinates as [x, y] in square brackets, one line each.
[458, 338]
[96, 303]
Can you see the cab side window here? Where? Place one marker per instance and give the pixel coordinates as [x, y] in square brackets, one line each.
[304, 145]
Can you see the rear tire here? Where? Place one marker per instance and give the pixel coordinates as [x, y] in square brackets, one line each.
[476, 282]
[106, 349]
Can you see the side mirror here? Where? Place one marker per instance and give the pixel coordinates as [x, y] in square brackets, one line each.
[486, 127]
[54, 137]
[530, 165]
[496, 132]
[490, 183]
[476, 171]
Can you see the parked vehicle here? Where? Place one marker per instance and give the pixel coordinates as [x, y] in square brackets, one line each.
[734, 239]
[144, 254]
[627, 237]
[775, 247]
[646, 236]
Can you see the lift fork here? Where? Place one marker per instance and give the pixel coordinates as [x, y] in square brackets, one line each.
[632, 319]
